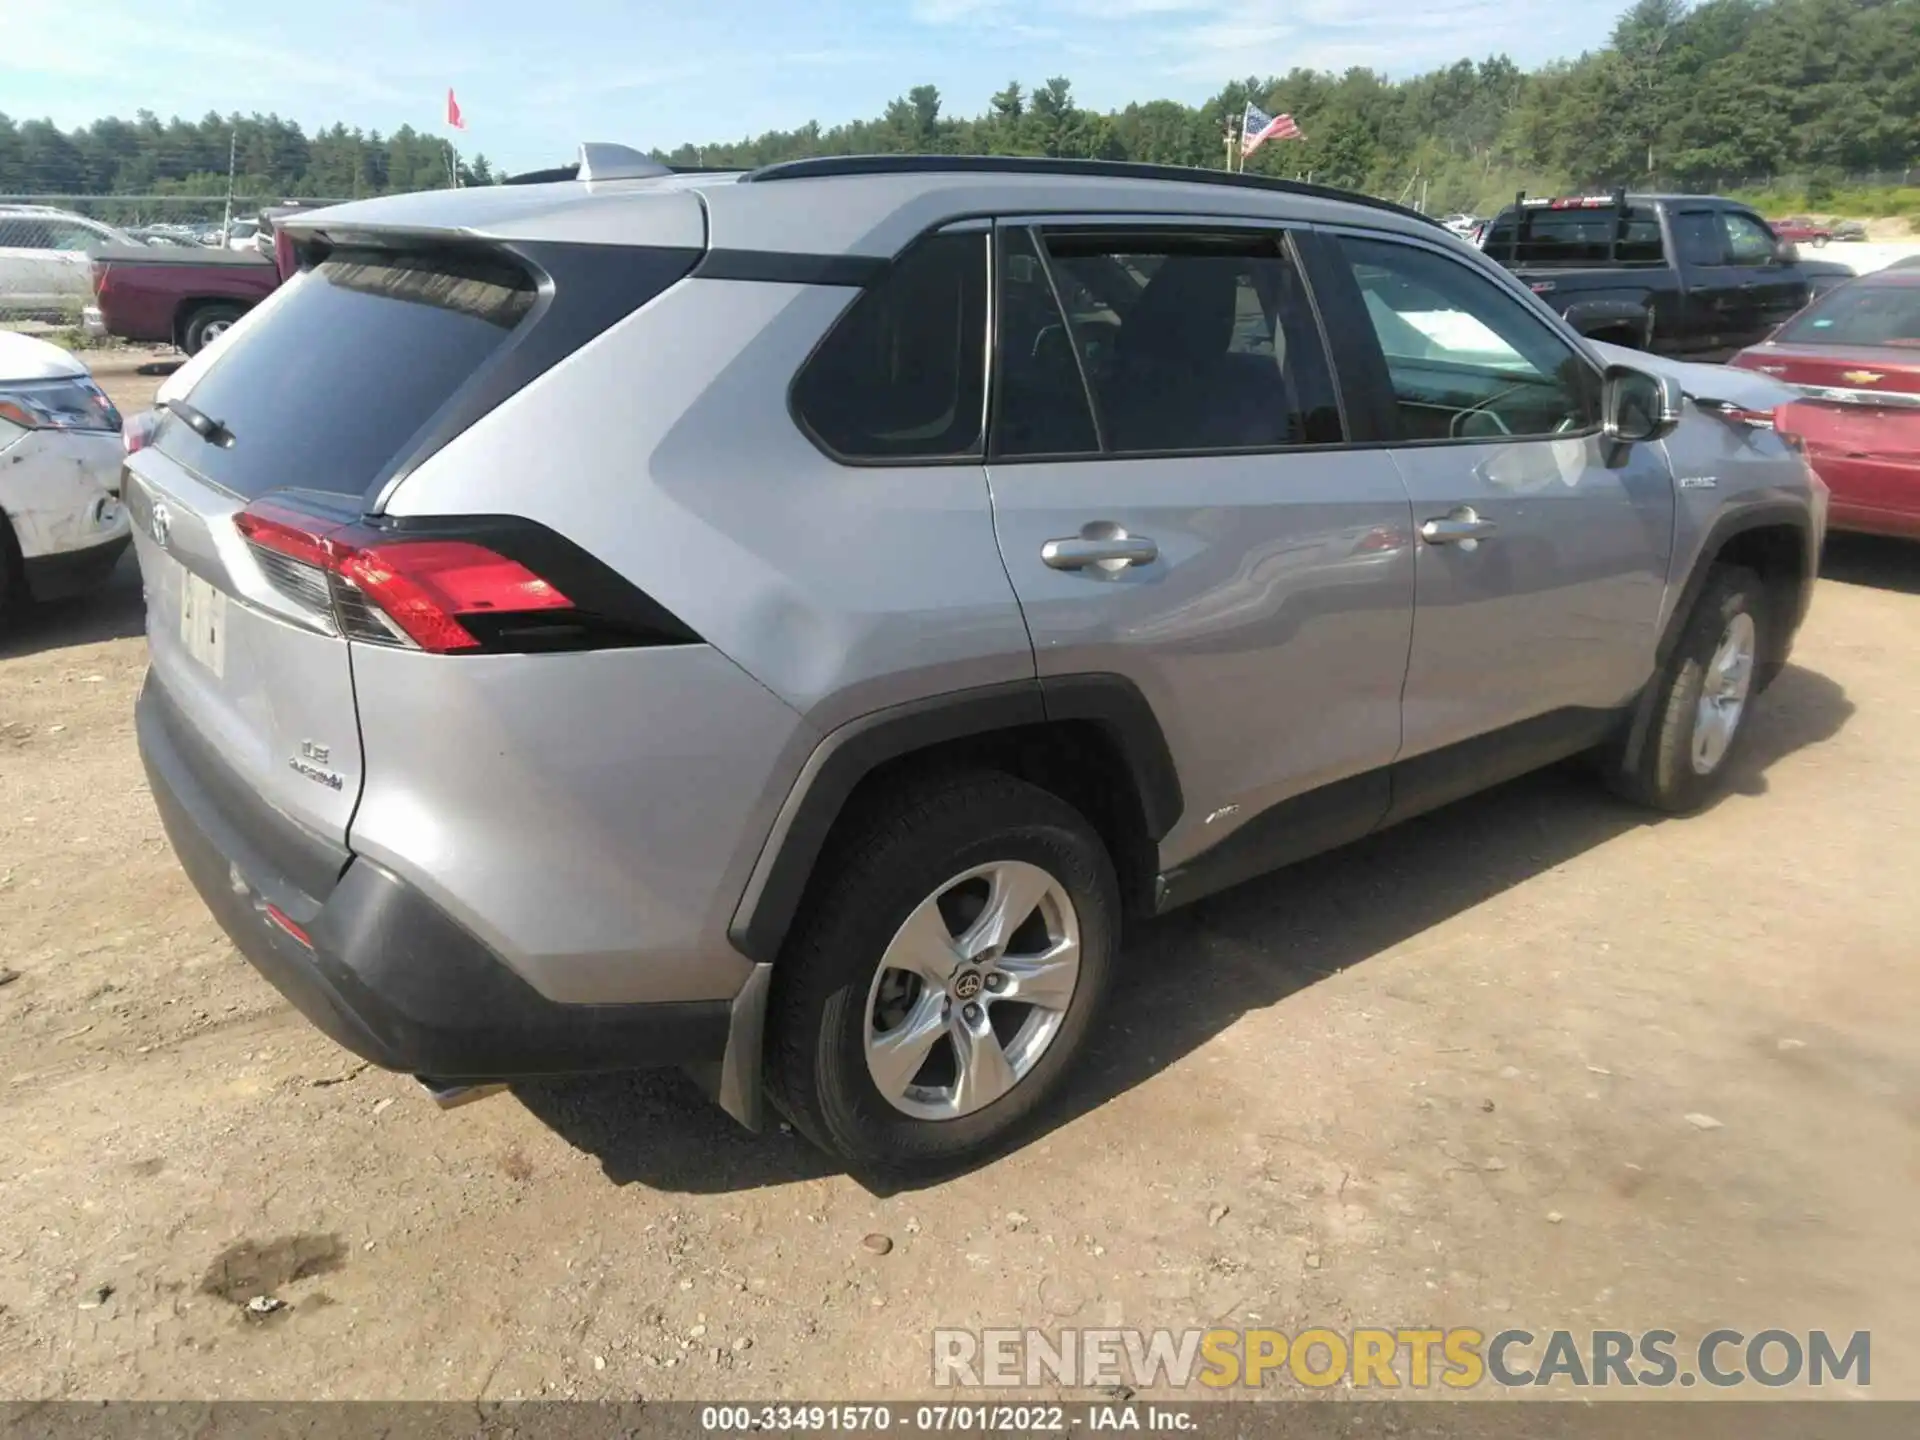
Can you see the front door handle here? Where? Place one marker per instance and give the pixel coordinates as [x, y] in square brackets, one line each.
[1101, 544]
[1460, 526]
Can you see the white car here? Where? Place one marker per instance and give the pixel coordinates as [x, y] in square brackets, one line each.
[44, 270]
[62, 526]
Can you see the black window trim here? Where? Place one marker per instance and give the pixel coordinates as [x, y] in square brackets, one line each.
[995, 370]
[1346, 294]
[1288, 232]
[976, 456]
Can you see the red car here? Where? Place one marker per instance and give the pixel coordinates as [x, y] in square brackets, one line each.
[1800, 231]
[185, 296]
[1854, 355]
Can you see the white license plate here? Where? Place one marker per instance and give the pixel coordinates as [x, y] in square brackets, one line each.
[203, 622]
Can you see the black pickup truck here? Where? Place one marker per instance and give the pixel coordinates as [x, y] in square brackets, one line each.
[1683, 275]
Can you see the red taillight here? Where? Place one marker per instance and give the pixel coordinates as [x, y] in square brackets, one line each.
[136, 431]
[419, 589]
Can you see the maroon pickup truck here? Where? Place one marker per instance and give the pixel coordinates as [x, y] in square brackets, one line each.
[178, 295]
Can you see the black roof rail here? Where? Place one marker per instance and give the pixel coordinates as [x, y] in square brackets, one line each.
[572, 172]
[830, 165]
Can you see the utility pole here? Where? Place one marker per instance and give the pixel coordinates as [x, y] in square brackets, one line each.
[1232, 137]
[233, 150]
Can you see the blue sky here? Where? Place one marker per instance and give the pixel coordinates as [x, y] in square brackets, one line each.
[535, 79]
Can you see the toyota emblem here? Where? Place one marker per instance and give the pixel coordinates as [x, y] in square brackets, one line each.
[159, 521]
[966, 984]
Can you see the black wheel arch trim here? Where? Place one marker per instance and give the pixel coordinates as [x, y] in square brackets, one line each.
[1587, 316]
[1760, 515]
[853, 751]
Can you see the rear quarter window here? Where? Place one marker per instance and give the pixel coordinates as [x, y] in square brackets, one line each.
[902, 374]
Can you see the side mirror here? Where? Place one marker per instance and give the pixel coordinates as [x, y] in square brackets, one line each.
[1638, 406]
[1785, 252]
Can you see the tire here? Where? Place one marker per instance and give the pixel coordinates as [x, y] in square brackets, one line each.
[941, 854]
[205, 324]
[1684, 758]
[1819, 241]
[13, 584]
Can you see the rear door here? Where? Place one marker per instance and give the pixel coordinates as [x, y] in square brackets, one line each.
[1543, 552]
[312, 399]
[1176, 504]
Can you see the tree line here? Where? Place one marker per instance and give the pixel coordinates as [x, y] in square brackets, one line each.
[1690, 97]
[1694, 98]
[272, 158]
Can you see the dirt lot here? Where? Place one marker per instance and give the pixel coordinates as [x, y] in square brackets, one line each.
[1441, 1077]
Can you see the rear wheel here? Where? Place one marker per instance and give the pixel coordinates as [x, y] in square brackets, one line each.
[13, 585]
[1704, 696]
[206, 325]
[946, 977]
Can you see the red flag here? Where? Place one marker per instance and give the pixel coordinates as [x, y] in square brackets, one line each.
[454, 119]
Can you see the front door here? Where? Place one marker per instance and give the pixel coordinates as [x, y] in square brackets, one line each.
[1543, 548]
[1774, 290]
[1174, 506]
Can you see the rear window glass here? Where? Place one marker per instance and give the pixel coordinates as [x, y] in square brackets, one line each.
[1598, 235]
[357, 354]
[1859, 315]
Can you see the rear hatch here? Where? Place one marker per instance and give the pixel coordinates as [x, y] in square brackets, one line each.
[1866, 378]
[1857, 347]
[291, 423]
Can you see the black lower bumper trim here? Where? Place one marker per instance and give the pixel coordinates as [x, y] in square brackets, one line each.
[72, 572]
[390, 975]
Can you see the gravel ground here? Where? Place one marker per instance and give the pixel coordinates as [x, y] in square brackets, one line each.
[1441, 1077]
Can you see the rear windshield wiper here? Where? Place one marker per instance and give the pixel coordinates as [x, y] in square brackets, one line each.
[213, 431]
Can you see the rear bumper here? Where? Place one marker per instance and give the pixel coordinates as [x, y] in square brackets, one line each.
[386, 974]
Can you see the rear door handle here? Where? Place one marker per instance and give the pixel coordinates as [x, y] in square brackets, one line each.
[1114, 550]
[1460, 526]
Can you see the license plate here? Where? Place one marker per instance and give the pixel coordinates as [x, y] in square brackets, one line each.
[203, 623]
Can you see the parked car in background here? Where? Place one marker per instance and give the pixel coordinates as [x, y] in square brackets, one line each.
[43, 260]
[1462, 224]
[1850, 230]
[1801, 230]
[1854, 356]
[184, 296]
[62, 527]
[1685, 275]
[459, 740]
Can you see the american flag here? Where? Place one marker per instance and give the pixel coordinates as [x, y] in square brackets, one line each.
[1257, 127]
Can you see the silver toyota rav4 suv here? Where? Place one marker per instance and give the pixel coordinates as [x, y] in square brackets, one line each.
[779, 624]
